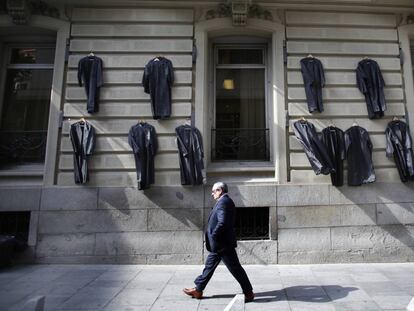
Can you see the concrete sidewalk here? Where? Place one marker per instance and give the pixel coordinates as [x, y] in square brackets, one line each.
[139, 288]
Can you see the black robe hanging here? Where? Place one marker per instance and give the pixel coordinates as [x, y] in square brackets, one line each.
[82, 136]
[333, 138]
[314, 148]
[371, 83]
[314, 81]
[157, 80]
[90, 72]
[399, 145]
[358, 148]
[191, 154]
[143, 140]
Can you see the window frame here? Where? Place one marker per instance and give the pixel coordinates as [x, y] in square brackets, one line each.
[6, 64]
[242, 45]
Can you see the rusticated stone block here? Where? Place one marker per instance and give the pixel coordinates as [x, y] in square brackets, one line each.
[300, 195]
[175, 259]
[69, 198]
[149, 243]
[372, 193]
[257, 252]
[65, 245]
[154, 197]
[19, 199]
[395, 213]
[175, 219]
[326, 216]
[93, 221]
[372, 237]
[307, 239]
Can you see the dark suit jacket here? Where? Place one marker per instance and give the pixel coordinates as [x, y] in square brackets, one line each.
[220, 234]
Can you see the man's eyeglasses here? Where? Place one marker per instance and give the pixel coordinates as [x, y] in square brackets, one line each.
[215, 190]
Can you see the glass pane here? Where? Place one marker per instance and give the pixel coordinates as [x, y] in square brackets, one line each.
[32, 56]
[240, 132]
[25, 114]
[240, 56]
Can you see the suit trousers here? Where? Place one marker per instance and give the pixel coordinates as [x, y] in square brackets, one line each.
[232, 263]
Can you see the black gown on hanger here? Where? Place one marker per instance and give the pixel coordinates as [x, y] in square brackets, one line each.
[371, 83]
[358, 148]
[314, 148]
[191, 154]
[314, 81]
[143, 140]
[157, 80]
[82, 137]
[90, 73]
[333, 138]
[399, 145]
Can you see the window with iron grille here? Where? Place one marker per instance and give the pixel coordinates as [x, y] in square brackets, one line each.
[15, 223]
[240, 131]
[25, 105]
[252, 223]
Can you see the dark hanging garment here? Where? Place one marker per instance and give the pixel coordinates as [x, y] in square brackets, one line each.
[358, 148]
[371, 84]
[314, 148]
[314, 81]
[399, 145]
[157, 81]
[90, 72]
[333, 138]
[191, 153]
[143, 140]
[82, 136]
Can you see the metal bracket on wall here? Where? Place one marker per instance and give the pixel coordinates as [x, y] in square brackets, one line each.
[60, 119]
[286, 118]
[284, 52]
[401, 56]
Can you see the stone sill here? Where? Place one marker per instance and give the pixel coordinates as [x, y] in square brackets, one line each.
[223, 167]
[33, 170]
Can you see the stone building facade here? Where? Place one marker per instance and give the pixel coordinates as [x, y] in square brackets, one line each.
[307, 219]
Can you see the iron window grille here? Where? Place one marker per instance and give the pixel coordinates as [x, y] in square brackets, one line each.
[252, 223]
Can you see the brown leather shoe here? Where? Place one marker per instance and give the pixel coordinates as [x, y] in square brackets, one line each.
[249, 297]
[193, 293]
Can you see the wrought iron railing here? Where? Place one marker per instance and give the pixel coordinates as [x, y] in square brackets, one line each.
[250, 144]
[22, 146]
[252, 223]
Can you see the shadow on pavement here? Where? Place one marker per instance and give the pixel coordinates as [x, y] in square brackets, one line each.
[307, 293]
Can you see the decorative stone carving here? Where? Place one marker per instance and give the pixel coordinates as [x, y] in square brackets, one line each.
[21, 10]
[239, 10]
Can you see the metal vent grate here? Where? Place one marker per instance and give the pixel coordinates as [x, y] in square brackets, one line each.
[252, 223]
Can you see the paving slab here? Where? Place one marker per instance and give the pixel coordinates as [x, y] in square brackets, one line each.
[339, 287]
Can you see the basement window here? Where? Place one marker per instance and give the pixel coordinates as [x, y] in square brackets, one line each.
[252, 223]
[15, 224]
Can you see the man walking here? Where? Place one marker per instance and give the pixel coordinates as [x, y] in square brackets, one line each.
[221, 243]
